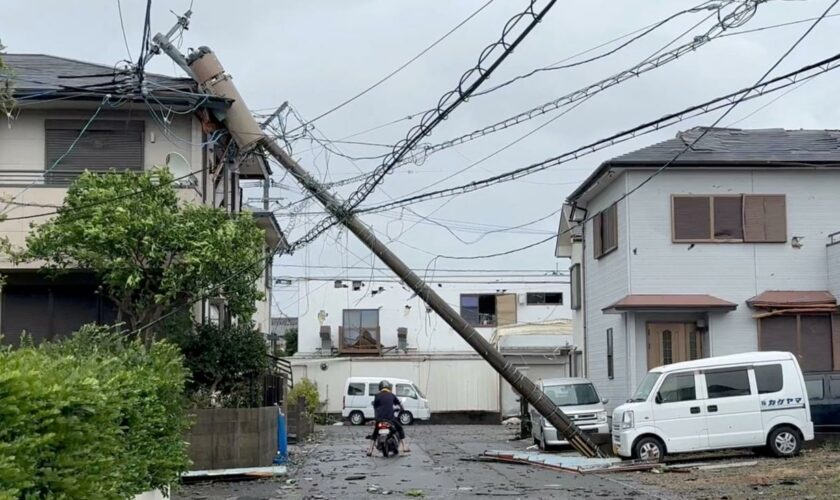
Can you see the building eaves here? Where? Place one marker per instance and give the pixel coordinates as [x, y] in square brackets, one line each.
[725, 148]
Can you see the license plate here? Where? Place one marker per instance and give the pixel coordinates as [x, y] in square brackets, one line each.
[384, 431]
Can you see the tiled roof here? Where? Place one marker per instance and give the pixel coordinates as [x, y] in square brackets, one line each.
[642, 302]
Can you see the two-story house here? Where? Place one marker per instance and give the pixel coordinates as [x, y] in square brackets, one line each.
[379, 328]
[726, 250]
[71, 116]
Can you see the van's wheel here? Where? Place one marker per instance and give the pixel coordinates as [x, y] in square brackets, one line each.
[357, 418]
[406, 418]
[784, 442]
[649, 448]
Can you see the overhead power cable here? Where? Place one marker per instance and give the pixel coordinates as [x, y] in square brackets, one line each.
[736, 18]
[405, 65]
[782, 82]
[713, 5]
[493, 55]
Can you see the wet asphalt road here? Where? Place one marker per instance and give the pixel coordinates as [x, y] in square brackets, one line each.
[336, 467]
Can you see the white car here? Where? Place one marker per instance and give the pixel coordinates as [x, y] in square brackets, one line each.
[750, 400]
[579, 400]
[360, 391]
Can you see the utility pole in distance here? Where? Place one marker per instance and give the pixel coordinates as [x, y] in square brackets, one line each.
[210, 75]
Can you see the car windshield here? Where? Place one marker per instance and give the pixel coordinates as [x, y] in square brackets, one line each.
[646, 386]
[419, 392]
[572, 394]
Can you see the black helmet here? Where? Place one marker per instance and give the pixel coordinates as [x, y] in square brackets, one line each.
[384, 385]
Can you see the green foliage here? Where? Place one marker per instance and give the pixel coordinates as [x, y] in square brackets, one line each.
[7, 101]
[306, 389]
[226, 363]
[151, 252]
[91, 417]
[291, 338]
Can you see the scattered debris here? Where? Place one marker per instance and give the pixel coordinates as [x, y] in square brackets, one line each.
[338, 424]
[415, 493]
[243, 474]
[533, 447]
[571, 463]
[355, 477]
[512, 422]
[730, 465]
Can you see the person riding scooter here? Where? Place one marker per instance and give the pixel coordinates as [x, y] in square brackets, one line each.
[384, 405]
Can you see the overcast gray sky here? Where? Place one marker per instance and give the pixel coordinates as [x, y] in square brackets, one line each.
[315, 54]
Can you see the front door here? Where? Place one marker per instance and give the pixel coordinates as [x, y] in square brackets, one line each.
[672, 342]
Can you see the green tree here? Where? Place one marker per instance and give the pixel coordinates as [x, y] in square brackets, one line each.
[291, 337]
[152, 252]
[7, 101]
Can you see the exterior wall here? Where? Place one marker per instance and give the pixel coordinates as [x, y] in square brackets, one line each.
[229, 438]
[452, 383]
[605, 282]
[426, 332]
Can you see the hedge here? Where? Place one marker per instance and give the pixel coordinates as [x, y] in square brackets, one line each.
[91, 417]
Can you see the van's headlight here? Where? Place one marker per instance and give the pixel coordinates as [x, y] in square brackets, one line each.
[627, 420]
[602, 417]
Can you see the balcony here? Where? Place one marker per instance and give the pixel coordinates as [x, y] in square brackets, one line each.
[359, 341]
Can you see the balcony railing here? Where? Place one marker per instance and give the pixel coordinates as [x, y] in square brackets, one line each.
[55, 178]
[359, 341]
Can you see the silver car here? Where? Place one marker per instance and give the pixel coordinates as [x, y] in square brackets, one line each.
[579, 400]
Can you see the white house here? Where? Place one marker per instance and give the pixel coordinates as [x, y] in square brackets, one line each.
[725, 251]
[381, 328]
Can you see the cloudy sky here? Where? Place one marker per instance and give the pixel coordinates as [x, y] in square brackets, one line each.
[317, 53]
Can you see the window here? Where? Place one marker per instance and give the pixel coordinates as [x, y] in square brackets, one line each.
[373, 389]
[667, 347]
[104, 145]
[574, 274]
[834, 386]
[768, 378]
[605, 231]
[729, 218]
[677, 387]
[610, 371]
[543, 298]
[479, 310]
[815, 389]
[646, 385]
[361, 326]
[807, 336]
[356, 389]
[405, 391]
[728, 383]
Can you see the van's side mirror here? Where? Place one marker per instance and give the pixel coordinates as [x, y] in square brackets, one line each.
[604, 401]
[658, 398]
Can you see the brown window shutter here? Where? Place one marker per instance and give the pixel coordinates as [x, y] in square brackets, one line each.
[765, 218]
[728, 218]
[612, 227]
[506, 309]
[692, 218]
[778, 333]
[597, 245]
[816, 355]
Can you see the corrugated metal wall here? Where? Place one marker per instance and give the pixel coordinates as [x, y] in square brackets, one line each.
[451, 385]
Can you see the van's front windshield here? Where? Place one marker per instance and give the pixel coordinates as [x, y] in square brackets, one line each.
[572, 394]
[645, 387]
[419, 392]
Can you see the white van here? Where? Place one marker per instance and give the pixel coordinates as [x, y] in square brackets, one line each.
[359, 393]
[750, 400]
[579, 400]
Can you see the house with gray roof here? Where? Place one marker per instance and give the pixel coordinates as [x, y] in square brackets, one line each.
[72, 116]
[730, 247]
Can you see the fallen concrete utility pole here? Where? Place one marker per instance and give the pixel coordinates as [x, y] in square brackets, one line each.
[248, 135]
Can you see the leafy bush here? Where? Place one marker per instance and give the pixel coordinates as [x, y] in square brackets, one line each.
[91, 417]
[226, 363]
[309, 391]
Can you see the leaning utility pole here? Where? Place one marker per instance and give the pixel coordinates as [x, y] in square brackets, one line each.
[210, 75]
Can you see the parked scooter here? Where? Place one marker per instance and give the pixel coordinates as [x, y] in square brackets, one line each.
[386, 438]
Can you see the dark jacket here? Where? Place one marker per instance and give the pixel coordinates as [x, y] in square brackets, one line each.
[383, 405]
